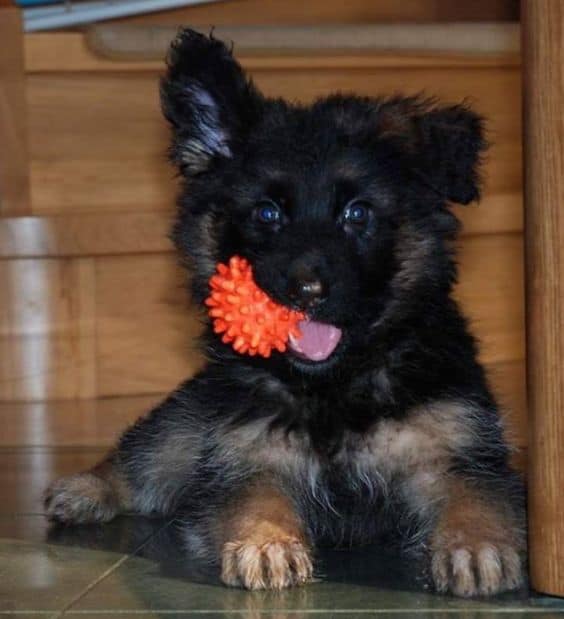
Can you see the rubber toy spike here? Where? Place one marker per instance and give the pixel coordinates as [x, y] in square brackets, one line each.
[247, 317]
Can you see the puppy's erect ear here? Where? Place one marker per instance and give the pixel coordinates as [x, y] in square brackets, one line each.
[443, 144]
[207, 99]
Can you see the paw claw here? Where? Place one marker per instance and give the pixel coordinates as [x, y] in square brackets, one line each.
[512, 567]
[490, 570]
[485, 569]
[277, 564]
[439, 570]
[463, 578]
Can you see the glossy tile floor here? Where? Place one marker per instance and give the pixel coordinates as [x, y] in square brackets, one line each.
[136, 567]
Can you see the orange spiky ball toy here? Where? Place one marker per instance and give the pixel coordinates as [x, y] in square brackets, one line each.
[248, 318]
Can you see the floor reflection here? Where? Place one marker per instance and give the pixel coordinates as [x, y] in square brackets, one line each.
[162, 541]
[135, 564]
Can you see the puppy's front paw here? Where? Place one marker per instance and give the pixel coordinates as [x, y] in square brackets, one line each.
[79, 499]
[475, 568]
[274, 564]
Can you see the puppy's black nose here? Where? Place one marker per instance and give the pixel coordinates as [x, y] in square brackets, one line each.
[307, 292]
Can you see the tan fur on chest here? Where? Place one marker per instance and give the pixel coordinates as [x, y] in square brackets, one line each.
[427, 436]
[423, 441]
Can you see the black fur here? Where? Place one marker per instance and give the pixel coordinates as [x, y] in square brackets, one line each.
[405, 346]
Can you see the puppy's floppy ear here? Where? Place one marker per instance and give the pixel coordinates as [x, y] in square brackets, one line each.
[444, 144]
[207, 99]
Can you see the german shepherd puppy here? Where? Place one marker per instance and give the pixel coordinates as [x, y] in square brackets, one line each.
[378, 424]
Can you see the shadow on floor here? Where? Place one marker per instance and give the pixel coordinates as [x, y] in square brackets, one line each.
[140, 565]
[161, 541]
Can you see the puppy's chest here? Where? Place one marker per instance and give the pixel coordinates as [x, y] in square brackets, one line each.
[387, 449]
[327, 423]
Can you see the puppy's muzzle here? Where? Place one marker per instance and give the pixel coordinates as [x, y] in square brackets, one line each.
[307, 292]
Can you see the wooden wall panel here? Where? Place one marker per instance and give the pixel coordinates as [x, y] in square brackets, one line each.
[83, 422]
[47, 346]
[98, 142]
[145, 325]
[89, 186]
[53, 52]
[543, 29]
[510, 387]
[492, 295]
[495, 213]
[67, 110]
[83, 234]
[14, 171]
[334, 11]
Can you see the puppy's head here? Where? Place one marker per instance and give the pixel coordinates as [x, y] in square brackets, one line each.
[341, 206]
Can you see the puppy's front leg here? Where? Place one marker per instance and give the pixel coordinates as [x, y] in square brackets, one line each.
[263, 543]
[147, 471]
[477, 543]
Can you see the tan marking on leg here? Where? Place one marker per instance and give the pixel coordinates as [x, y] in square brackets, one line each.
[475, 546]
[416, 453]
[262, 541]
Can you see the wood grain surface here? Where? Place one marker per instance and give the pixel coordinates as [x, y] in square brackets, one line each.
[334, 11]
[82, 162]
[14, 165]
[543, 43]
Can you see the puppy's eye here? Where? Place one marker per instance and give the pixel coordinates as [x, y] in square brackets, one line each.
[268, 212]
[357, 213]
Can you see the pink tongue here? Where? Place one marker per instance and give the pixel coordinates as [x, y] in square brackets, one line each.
[318, 340]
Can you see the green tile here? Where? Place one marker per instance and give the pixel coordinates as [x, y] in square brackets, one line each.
[123, 535]
[78, 570]
[147, 614]
[499, 613]
[245, 613]
[162, 580]
[548, 602]
[40, 577]
[45, 567]
[144, 584]
[312, 614]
